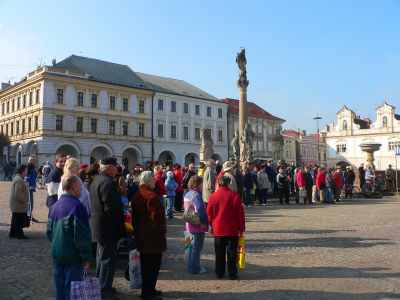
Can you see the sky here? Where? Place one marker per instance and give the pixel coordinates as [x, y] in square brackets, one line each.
[304, 58]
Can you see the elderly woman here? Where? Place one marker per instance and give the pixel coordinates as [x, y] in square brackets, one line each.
[19, 197]
[150, 233]
[72, 168]
[193, 201]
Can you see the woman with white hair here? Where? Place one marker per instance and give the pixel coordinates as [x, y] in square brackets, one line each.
[150, 233]
[71, 168]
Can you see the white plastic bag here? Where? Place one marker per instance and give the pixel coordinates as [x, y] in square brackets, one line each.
[135, 276]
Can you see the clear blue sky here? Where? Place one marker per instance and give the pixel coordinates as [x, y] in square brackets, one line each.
[304, 57]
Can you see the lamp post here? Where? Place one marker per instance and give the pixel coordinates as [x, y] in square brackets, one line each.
[317, 118]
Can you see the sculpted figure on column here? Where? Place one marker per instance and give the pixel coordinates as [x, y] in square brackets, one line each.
[235, 146]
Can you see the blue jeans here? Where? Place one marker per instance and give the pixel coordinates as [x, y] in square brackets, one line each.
[63, 275]
[170, 206]
[194, 252]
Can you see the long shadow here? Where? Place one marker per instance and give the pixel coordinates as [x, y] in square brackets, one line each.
[261, 245]
[257, 272]
[281, 295]
[300, 231]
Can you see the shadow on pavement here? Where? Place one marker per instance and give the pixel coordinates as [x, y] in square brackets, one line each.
[255, 246]
[282, 295]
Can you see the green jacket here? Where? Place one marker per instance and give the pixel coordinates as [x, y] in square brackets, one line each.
[69, 232]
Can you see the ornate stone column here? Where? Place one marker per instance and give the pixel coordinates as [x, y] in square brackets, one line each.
[244, 144]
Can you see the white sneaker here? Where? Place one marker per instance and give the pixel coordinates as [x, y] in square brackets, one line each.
[203, 270]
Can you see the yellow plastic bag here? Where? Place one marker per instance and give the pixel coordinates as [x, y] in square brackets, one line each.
[241, 256]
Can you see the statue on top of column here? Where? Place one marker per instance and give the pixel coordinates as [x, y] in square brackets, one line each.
[241, 62]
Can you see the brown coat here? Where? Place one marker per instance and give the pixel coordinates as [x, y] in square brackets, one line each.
[149, 223]
[19, 195]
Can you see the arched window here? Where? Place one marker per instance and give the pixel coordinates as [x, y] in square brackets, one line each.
[344, 125]
[384, 122]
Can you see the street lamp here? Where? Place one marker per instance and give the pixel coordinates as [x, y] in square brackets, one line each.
[317, 118]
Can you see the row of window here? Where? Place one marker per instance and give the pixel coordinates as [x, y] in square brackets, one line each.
[185, 109]
[20, 102]
[94, 127]
[342, 148]
[21, 126]
[384, 123]
[94, 101]
[185, 132]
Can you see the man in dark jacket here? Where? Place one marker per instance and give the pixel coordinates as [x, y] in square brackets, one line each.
[361, 173]
[54, 179]
[248, 183]
[309, 184]
[107, 222]
[282, 181]
[190, 172]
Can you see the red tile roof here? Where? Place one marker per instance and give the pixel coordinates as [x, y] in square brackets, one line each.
[291, 133]
[253, 109]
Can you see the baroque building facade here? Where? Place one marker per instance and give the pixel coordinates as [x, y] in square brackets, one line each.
[180, 112]
[344, 136]
[89, 109]
[267, 142]
[83, 107]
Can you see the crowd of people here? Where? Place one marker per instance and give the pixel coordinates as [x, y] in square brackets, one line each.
[93, 207]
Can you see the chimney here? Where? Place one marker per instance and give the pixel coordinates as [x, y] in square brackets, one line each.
[53, 62]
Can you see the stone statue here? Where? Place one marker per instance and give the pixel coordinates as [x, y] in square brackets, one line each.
[241, 62]
[247, 144]
[235, 146]
[206, 148]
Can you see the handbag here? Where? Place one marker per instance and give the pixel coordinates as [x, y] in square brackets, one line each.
[87, 289]
[135, 278]
[191, 216]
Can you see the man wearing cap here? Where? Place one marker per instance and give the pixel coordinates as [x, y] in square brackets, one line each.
[107, 222]
[229, 170]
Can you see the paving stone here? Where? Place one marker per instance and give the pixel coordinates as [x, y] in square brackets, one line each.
[338, 252]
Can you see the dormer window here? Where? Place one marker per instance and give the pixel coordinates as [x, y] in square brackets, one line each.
[384, 122]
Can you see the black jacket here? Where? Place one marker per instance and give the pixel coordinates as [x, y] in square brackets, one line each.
[107, 220]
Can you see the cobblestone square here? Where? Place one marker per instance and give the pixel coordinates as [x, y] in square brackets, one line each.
[338, 252]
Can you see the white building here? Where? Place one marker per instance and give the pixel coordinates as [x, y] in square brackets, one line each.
[80, 106]
[180, 111]
[343, 137]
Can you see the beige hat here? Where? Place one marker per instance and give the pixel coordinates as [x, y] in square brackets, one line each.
[228, 166]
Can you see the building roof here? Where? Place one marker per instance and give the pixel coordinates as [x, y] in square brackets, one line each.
[174, 86]
[102, 71]
[363, 123]
[253, 110]
[291, 133]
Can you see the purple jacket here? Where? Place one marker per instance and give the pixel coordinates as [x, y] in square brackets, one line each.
[193, 198]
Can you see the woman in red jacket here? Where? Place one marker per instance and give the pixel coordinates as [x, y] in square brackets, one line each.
[226, 217]
[321, 184]
[178, 174]
[339, 183]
